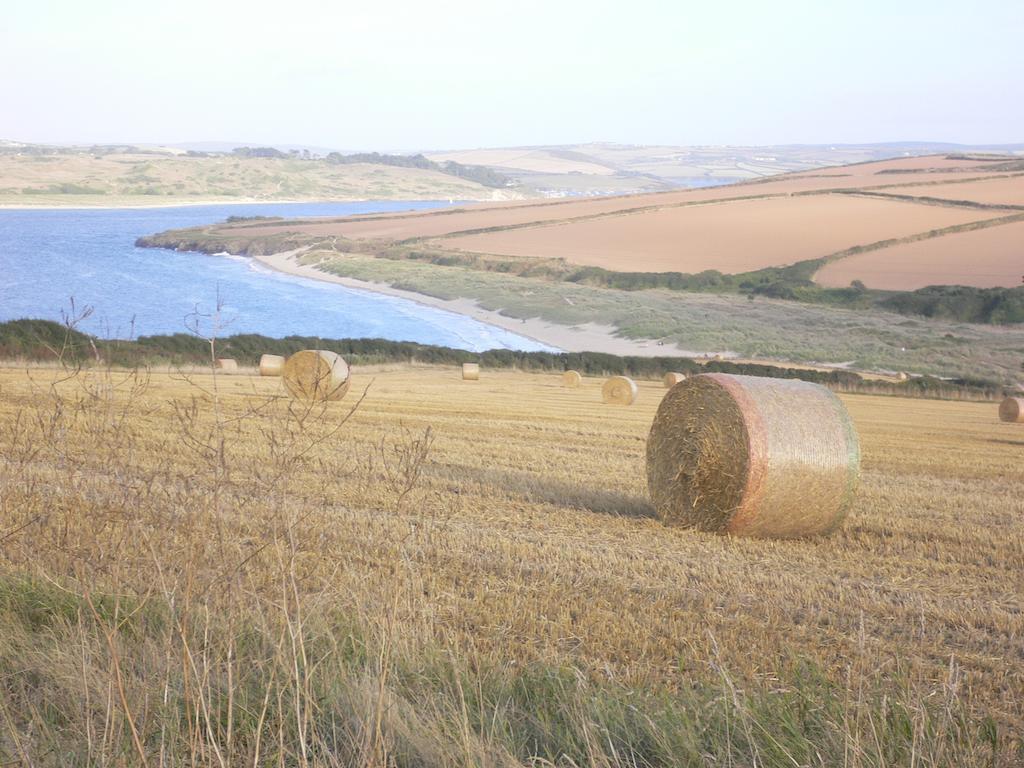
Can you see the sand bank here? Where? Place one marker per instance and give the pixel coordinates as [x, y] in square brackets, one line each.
[589, 337]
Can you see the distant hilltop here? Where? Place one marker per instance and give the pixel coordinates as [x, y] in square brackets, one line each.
[148, 174]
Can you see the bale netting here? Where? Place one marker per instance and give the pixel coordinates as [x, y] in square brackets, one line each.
[1012, 410]
[619, 390]
[470, 371]
[316, 374]
[571, 379]
[671, 379]
[227, 364]
[752, 456]
[271, 365]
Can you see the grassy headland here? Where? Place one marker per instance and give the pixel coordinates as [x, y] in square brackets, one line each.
[122, 176]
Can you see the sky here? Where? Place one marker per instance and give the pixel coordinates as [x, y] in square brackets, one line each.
[454, 74]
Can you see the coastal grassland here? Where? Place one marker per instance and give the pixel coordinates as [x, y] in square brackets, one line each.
[757, 328]
[197, 570]
[116, 179]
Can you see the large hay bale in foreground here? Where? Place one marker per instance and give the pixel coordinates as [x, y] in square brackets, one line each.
[571, 379]
[671, 379]
[470, 371]
[1012, 410]
[752, 456]
[271, 365]
[619, 390]
[316, 374]
[226, 364]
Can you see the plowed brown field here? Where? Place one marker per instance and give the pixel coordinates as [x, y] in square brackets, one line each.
[488, 216]
[998, 191]
[984, 258]
[732, 237]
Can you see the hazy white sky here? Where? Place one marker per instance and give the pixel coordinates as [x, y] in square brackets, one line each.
[384, 74]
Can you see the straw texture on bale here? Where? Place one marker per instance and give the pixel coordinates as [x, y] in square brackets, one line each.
[671, 379]
[227, 364]
[752, 456]
[1012, 410]
[571, 379]
[271, 365]
[316, 374]
[470, 372]
[619, 390]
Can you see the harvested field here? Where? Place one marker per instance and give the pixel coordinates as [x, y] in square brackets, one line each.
[525, 547]
[731, 237]
[984, 258]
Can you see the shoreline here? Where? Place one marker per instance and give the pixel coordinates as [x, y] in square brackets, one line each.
[589, 337]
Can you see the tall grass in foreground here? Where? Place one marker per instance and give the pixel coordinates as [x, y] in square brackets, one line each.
[169, 595]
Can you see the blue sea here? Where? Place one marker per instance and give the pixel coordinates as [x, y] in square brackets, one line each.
[48, 257]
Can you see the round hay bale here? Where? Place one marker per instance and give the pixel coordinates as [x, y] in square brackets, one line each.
[752, 456]
[571, 379]
[619, 390]
[1012, 410]
[902, 376]
[671, 379]
[316, 374]
[271, 365]
[470, 371]
[227, 364]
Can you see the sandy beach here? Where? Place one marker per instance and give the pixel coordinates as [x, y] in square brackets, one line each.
[589, 337]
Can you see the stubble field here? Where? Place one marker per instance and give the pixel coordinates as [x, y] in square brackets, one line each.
[195, 569]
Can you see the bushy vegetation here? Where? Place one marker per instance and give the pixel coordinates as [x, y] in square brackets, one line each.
[999, 306]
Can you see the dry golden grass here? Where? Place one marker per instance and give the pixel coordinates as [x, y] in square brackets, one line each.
[509, 525]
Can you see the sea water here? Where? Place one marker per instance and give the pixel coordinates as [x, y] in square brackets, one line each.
[48, 257]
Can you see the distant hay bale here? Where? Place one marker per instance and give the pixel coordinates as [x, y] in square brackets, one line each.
[1012, 410]
[470, 371]
[571, 379]
[271, 365]
[227, 364]
[619, 390]
[902, 376]
[316, 374]
[671, 379]
[752, 457]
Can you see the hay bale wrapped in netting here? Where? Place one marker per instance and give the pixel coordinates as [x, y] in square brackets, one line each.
[1012, 410]
[226, 364]
[316, 374]
[619, 390]
[571, 379]
[671, 379]
[470, 371]
[271, 365]
[752, 456]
